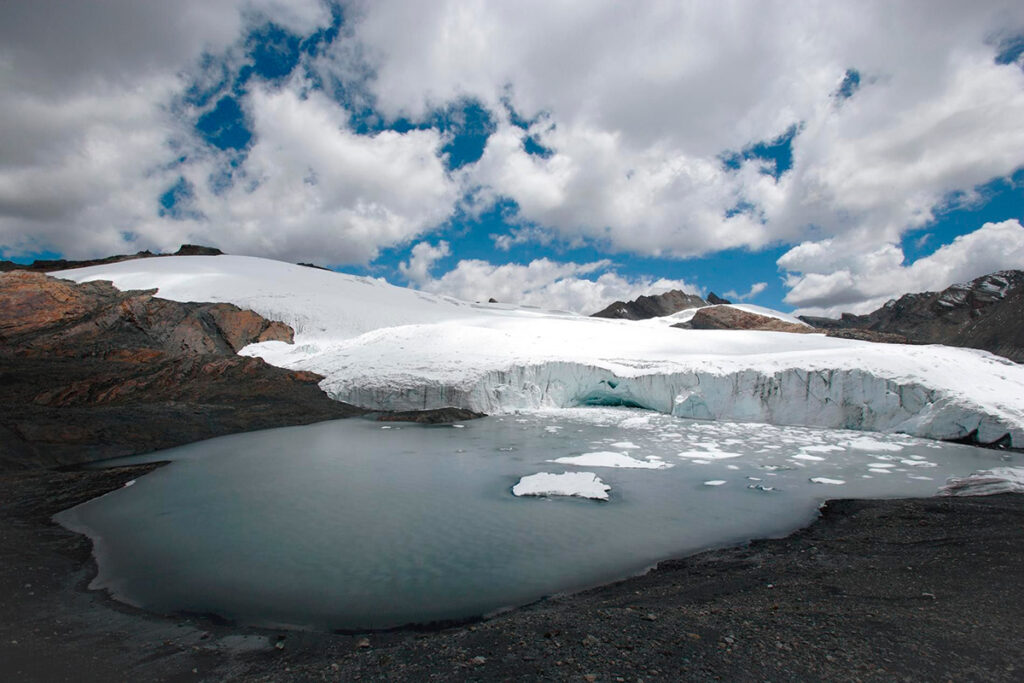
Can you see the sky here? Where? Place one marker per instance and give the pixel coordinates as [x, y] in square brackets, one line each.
[811, 156]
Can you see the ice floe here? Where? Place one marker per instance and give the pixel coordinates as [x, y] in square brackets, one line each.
[611, 459]
[578, 484]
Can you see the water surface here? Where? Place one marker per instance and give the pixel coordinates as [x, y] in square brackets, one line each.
[354, 524]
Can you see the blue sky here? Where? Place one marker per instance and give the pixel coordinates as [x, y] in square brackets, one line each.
[501, 151]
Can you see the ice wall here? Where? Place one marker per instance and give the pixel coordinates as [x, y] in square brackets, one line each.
[844, 399]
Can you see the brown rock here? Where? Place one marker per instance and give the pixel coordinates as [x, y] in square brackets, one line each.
[729, 318]
[90, 372]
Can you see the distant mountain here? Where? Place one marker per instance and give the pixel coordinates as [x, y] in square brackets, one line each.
[657, 305]
[48, 265]
[985, 313]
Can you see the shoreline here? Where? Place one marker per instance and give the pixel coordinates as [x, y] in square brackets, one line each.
[912, 588]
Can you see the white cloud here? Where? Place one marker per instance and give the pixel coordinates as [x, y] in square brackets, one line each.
[85, 90]
[828, 278]
[312, 189]
[637, 103]
[754, 290]
[424, 255]
[548, 284]
[643, 102]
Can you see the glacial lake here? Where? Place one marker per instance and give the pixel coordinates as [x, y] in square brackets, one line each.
[355, 524]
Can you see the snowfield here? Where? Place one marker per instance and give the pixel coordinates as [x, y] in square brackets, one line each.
[391, 348]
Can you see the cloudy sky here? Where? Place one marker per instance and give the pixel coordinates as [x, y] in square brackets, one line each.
[819, 156]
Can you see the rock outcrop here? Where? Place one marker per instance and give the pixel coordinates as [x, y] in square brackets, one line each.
[50, 265]
[986, 313]
[722, 317]
[90, 372]
[654, 306]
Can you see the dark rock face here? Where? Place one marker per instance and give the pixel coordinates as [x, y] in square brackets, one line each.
[986, 313]
[197, 250]
[645, 307]
[716, 300]
[90, 372]
[47, 265]
[728, 318]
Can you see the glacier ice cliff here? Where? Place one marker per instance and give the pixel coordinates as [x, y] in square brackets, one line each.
[829, 398]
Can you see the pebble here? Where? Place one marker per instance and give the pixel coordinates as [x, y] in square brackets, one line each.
[363, 643]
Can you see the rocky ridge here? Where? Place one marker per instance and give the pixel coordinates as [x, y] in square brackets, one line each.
[656, 305]
[49, 265]
[985, 313]
[721, 317]
[90, 372]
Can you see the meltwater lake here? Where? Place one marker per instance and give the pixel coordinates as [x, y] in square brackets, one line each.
[355, 524]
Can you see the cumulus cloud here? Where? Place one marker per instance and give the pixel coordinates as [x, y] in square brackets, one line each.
[754, 290]
[828, 277]
[423, 257]
[635, 107]
[579, 287]
[311, 188]
[637, 119]
[96, 135]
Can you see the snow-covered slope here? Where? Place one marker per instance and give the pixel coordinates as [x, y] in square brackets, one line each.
[686, 315]
[387, 347]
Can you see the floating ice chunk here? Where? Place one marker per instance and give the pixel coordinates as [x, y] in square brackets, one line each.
[866, 443]
[882, 465]
[805, 456]
[824, 448]
[761, 487]
[129, 483]
[878, 471]
[458, 426]
[918, 463]
[912, 476]
[626, 445]
[986, 482]
[708, 455]
[731, 467]
[826, 480]
[579, 484]
[714, 482]
[643, 422]
[610, 459]
[552, 428]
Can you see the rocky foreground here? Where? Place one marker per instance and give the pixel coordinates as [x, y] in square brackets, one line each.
[90, 372]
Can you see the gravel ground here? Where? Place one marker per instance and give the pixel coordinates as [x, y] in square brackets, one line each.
[927, 589]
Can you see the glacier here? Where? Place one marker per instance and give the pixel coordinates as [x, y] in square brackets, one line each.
[391, 348]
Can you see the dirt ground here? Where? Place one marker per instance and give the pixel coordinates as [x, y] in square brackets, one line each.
[928, 589]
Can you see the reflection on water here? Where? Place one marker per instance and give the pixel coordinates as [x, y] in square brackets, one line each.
[353, 524]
